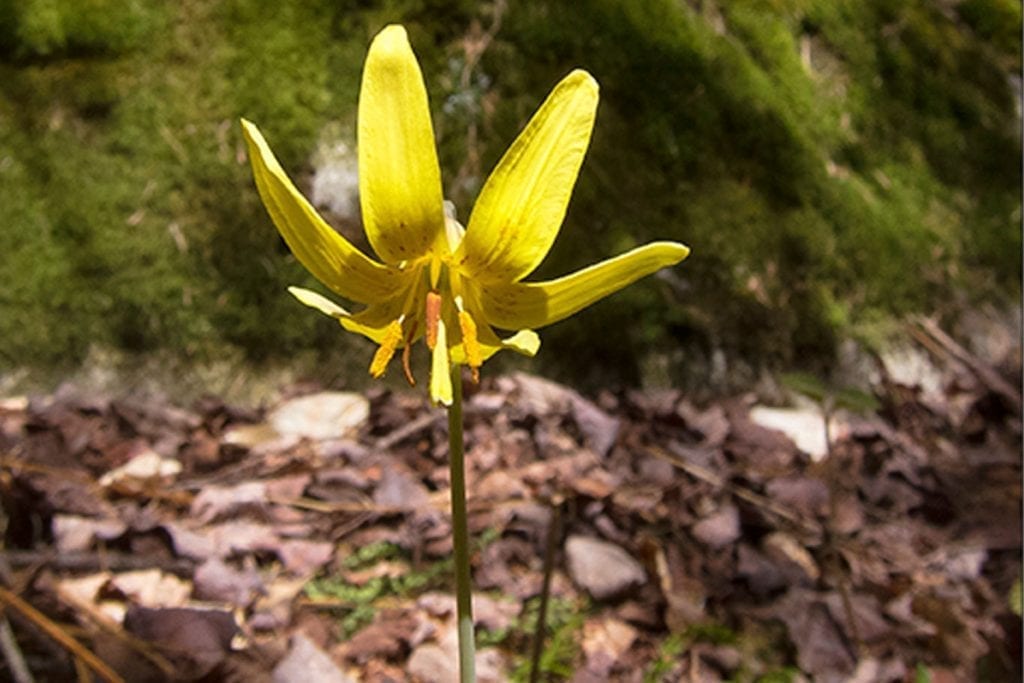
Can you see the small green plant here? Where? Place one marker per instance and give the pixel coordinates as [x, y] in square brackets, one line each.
[669, 650]
[358, 601]
[677, 643]
[565, 622]
[785, 675]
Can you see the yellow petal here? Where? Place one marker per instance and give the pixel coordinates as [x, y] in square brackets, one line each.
[440, 369]
[372, 322]
[521, 206]
[525, 342]
[399, 177]
[536, 304]
[327, 255]
[319, 302]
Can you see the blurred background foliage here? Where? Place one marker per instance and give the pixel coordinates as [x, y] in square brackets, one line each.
[832, 163]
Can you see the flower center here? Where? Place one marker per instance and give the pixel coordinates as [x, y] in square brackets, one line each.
[442, 310]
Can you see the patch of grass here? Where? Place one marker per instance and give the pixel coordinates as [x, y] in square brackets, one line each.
[673, 645]
[358, 602]
[784, 675]
[561, 652]
[665, 658]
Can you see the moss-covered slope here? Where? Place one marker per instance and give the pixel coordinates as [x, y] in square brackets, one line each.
[827, 160]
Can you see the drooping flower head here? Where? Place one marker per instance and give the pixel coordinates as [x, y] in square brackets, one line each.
[436, 281]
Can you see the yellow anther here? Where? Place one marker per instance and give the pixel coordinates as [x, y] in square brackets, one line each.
[388, 345]
[433, 317]
[471, 344]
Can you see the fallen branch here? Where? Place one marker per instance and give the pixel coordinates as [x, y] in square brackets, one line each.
[96, 561]
[12, 653]
[743, 493]
[984, 372]
[58, 634]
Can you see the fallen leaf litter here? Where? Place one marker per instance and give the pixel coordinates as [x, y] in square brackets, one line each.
[695, 541]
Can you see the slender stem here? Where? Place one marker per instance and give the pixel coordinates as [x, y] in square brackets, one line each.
[554, 532]
[460, 534]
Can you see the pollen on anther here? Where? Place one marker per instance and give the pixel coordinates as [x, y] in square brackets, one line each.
[471, 344]
[388, 344]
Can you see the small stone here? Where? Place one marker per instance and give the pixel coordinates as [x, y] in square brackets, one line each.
[306, 663]
[431, 664]
[603, 569]
[322, 416]
[805, 426]
[719, 529]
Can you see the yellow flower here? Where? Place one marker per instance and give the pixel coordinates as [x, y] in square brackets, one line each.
[435, 280]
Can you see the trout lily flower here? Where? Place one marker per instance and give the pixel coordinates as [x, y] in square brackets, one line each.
[437, 281]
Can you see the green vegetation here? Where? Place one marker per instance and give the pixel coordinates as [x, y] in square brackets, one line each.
[358, 602]
[829, 161]
[559, 658]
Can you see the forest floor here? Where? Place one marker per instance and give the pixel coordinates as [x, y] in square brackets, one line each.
[310, 540]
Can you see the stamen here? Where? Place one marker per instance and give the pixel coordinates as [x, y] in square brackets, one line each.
[406, 352]
[433, 317]
[392, 338]
[471, 344]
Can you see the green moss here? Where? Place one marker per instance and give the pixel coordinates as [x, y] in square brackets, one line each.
[828, 161]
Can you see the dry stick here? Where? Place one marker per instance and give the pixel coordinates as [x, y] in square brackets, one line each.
[12, 653]
[413, 428]
[554, 532]
[95, 561]
[60, 635]
[756, 499]
[989, 377]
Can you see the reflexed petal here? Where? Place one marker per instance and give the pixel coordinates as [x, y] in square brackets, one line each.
[327, 255]
[399, 177]
[521, 206]
[319, 302]
[373, 322]
[525, 342]
[536, 304]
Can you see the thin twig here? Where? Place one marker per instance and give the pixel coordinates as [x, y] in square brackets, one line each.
[554, 533]
[12, 653]
[54, 630]
[743, 493]
[413, 428]
[984, 372]
[95, 561]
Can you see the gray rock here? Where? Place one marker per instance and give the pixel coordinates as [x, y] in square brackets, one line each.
[306, 663]
[603, 569]
[720, 528]
[327, 415]
[432, 663]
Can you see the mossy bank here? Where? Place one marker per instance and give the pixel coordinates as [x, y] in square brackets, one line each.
[830, 162]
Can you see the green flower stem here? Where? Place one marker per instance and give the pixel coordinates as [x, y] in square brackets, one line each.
[460, 533]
